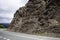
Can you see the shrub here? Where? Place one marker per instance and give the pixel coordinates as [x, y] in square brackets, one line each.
[1, 26]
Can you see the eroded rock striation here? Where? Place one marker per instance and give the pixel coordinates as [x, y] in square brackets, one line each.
[37, 16]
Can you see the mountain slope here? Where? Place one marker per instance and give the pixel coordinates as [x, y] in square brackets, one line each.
[37, 17]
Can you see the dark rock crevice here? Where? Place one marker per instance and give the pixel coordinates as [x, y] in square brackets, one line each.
[38, 16]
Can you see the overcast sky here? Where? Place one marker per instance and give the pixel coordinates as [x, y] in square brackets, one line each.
[8, 8]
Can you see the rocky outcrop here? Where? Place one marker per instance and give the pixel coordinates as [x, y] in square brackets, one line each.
[37, 17]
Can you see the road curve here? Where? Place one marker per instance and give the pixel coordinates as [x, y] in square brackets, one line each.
[6, 35]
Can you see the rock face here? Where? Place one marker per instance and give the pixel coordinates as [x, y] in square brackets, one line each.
[38, 16]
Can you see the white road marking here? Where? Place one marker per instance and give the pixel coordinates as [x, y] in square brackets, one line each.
[40, 39]
[4, 38]
[8, 39]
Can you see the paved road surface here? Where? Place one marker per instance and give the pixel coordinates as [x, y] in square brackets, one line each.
[6, 35]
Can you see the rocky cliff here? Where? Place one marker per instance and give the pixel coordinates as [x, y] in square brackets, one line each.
[37, 17]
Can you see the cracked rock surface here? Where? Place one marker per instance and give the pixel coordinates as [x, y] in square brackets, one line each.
[38, 17]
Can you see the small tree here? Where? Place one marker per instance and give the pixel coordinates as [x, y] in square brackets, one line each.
[1, 26]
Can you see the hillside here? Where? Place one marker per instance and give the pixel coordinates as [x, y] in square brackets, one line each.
[38, 17]
[6, 25]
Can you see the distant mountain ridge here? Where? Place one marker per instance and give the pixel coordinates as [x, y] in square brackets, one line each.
[6, 25]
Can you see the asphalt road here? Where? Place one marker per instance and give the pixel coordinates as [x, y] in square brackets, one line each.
[6, 35]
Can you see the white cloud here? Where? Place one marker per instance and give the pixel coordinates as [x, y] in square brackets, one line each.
[23, 2]
[7, 15]
[8, 8]
[12, 4]
[5, 20]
